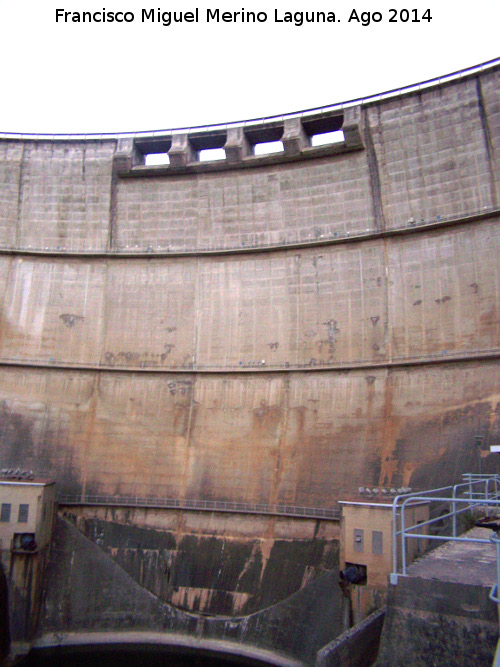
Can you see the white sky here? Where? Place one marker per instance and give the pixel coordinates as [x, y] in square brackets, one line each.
[108, 77]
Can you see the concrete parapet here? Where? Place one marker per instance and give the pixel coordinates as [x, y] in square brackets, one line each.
[4, 617]
[440, 614]
[357, 647]
[238, 141]
[438, 623]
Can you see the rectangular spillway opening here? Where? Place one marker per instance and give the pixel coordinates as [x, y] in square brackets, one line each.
[154, 150]
[324, 130]
[265, 139]
[210, 154]
[268, 147]
[208, 147]
[326, 138]
[151, 159]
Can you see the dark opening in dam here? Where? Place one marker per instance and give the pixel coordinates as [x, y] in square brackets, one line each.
[143, 655]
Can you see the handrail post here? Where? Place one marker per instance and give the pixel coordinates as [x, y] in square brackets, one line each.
[395, 535]
[497, 544]
[454, 517]
[403, 541]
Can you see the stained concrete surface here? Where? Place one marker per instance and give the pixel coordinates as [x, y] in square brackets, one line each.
[462, 562]
[273, 332]
[440, 614]
[86, 591]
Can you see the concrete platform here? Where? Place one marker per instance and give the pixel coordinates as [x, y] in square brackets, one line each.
[462, 562]
[440, 613]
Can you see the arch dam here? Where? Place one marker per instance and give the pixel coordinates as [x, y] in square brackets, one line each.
[208, 355]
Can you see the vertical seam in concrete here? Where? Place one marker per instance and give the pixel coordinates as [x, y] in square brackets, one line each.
[374, 174]
[387, 448]
[112, 208]
[387, 279]
[104, 318]
[20, 192]
[190, 413]
[196, 315]
[296, 273]
[84, 158]
[3, 294]
[389, 429]
[487, 141]
[89, 431]
[364, 338]
[273, 500]
[194, 375]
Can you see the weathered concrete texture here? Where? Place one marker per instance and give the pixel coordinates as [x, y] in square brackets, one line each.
[443, 301]
[284, 204]
[417, 165]
[470, 563]
[440, 614]
[358, 647]
[26, 579]
[286, 376]
[52, 309]
[213, 563]
[4, 616]
[489, 107]
[265, 438]
[87, 591]
[429, 164]
[56, 196]
[402, 298]
[421, 631]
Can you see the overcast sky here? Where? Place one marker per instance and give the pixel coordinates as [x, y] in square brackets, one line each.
[142, 75]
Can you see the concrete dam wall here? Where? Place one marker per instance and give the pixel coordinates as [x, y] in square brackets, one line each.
[275, 329]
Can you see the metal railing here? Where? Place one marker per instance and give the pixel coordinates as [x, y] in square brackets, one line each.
[297, 511]
[477, 490]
